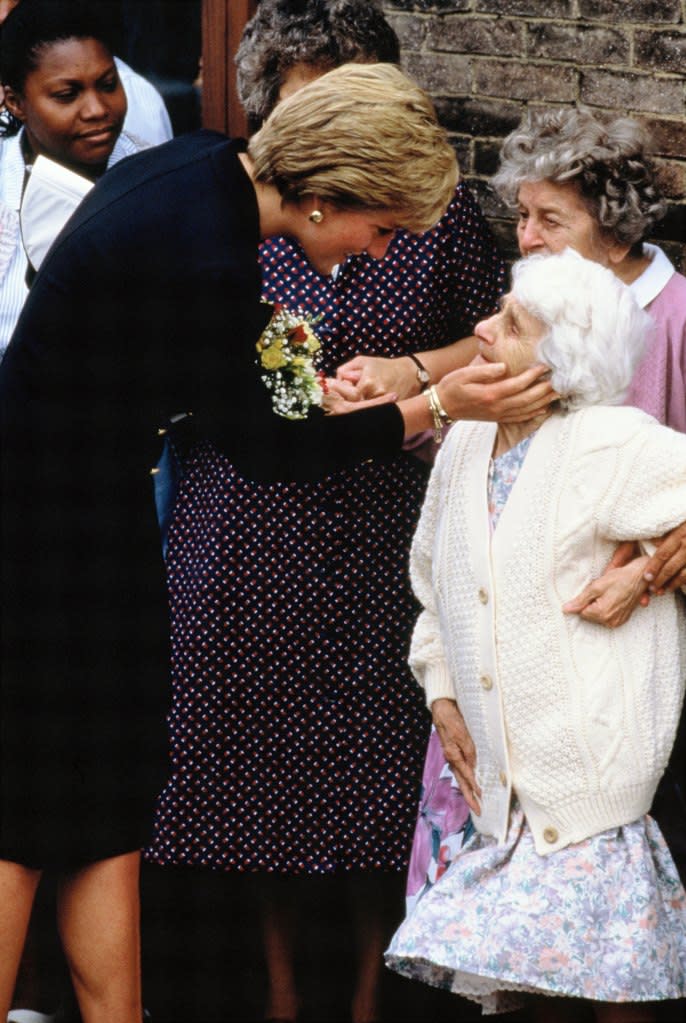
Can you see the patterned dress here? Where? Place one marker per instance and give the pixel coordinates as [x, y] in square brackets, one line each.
[297, 732]
[602, 919]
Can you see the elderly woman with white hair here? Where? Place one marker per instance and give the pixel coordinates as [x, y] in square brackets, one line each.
[562, 728]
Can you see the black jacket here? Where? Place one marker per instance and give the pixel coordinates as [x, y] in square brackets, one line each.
[148, 304]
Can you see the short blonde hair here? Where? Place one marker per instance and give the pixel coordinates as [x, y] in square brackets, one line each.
[362, 136]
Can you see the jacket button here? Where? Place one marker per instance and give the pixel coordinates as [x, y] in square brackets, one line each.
[154, 472]
[486, 682]
[483, 595]
[550, 835]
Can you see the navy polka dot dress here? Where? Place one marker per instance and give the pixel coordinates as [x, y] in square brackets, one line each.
[297, 732]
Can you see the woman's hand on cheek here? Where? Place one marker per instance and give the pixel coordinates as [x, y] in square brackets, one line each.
[481, 391]
[458, 749]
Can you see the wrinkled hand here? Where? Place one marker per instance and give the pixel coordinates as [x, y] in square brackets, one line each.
[478, 391]
[369, 376]
[611, 599]
[458, 749]
[666, 570]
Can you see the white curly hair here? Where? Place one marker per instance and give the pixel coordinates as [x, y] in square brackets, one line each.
[596, 333]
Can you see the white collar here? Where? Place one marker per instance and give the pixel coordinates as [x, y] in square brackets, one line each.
[648, 286]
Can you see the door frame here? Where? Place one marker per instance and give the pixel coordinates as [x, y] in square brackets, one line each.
[223, 22]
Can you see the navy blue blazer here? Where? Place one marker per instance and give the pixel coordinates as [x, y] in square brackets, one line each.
[147, 305]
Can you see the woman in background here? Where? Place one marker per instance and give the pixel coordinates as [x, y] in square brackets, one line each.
[64, 100]
[297, 731]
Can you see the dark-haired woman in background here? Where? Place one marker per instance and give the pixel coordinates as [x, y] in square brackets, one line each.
[63, 100]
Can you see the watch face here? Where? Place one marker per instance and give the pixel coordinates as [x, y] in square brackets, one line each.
[422, 376]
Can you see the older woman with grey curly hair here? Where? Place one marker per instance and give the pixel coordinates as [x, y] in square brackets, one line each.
[561, 730]
[581, 180]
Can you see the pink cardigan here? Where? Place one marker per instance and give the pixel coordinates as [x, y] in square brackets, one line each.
[659, 384]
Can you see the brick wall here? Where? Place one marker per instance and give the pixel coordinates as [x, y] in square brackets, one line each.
[484, 61]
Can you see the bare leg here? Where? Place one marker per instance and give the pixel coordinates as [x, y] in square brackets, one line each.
[376, 903]
[278, 909]
[17, 891]
[98, 915]
[42, 971]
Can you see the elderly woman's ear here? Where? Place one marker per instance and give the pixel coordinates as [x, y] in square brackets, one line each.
[617, 253]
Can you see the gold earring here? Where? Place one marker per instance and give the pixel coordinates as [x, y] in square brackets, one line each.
[316, 216]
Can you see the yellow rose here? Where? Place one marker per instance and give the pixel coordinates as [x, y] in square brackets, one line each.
[272, 358]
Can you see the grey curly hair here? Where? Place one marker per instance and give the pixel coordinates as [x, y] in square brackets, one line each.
[606, 158]
[320, 33]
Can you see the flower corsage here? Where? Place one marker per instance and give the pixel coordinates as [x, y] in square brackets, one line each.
[288, 353]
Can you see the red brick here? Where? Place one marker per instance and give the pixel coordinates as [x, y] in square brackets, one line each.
[579, 43]
[645, 11]
[669, 137]
[476, 35]
[526, 81]
[440, 74]
[486, 157]
[411, 30]
[479, 117]
[537, 8]
[428, 5]
[632, 92]
[672, 178]
[661, 51]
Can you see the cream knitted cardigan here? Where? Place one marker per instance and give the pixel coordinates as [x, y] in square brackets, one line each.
[577, 719]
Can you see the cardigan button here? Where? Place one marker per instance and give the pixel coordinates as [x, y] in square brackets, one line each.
[483, 595]
[486, 682]
[550, 835]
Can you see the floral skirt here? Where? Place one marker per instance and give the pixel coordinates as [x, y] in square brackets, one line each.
[443, 824]
[603, 919]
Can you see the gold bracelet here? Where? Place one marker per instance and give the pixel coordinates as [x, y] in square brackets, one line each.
[435, 415]
[440, 411]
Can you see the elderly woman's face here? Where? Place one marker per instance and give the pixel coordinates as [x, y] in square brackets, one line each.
[553, 216]
[510, 336]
